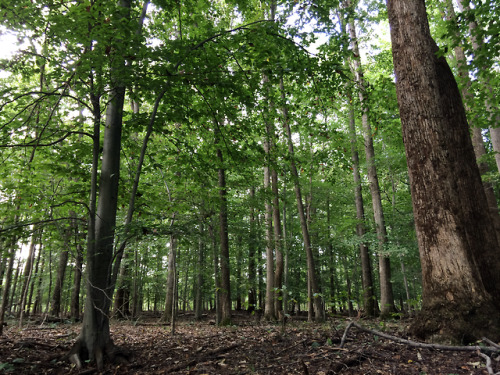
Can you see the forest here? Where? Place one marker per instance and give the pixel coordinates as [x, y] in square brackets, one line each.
[170, 163]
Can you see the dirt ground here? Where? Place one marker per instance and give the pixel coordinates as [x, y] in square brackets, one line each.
[248, 347]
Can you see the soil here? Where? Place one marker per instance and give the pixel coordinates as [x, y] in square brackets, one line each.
[247, 347]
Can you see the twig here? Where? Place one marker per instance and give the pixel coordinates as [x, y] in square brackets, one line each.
[488, 341]
[192, 362]
[290, 347]
[344, 336]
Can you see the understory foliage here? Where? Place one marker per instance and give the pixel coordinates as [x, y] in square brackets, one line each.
[195, 73]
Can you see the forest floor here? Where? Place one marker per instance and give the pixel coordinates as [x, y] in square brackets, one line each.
[247, 347]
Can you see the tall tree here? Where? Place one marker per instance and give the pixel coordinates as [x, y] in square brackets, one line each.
[314, 294]
[95, 341]
[366, 266]
[458, 245]
[386, 293]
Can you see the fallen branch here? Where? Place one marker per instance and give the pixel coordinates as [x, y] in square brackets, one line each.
[488, 364]
[483, 349]
[212, 353]
[356, 359]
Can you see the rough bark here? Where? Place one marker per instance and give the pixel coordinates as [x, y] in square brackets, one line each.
[457, 241]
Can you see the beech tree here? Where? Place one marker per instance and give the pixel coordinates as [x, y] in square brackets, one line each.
[457, 242]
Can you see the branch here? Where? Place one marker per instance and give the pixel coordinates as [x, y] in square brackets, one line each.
[27, 224]
[487, 349]
[200, 44]
[32, 144]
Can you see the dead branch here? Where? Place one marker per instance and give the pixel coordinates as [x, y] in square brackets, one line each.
[488, 363]
[206, 356]
[290, 347]
[354, 360]
[483, 349]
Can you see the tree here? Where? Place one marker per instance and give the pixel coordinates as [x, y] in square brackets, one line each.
[95, 341]
[386, 294]
[458, 245]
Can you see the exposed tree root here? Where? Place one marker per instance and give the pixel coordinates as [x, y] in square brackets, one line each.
[79, 354]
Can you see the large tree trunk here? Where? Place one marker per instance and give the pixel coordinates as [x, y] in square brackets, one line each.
[458, 245]
[386, 294]
[366, 266]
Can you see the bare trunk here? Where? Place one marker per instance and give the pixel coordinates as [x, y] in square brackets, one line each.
[169, 298]
[313, 287]
[27, 276]
[386, 294]
[457, 241]
[477, 134]
[252, 267]
[225, 291]
[269, 313]
[366, 267]
[8, 280]
[198, 302]
[493, 118]
[218, 313]
[278, 244]
[58, 287]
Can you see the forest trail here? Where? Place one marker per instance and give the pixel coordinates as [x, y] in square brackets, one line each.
[248, 347]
